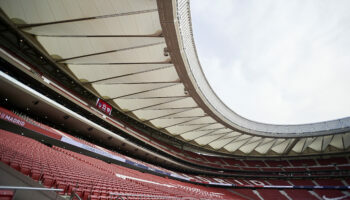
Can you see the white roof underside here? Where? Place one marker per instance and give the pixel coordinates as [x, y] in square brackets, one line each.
[116, 48]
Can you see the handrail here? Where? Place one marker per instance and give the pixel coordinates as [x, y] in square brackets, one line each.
[29, 188]
[74, 195]
[154, 196]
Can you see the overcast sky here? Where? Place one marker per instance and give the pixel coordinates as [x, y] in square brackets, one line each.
[277, 61]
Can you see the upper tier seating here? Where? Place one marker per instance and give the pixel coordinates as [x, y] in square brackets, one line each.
[233, 162]
[300, 194]
[245, 193]
[277, 163]
[271, 194]
[255, 163]
[336, 166]
[302, 182]
[303, 162]
[332, 161]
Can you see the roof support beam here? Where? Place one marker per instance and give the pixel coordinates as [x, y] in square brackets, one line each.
[290, 147]
[130, 74]
[181, 98]
[261, 141]
[155, 97]
[274, 144]
[104, 36]
[168, 115]
[200, 136]
[191, 129]
[110, 51]
[225, 143]
[239, 146]
[210, 141]
[171, 108]
[210, 134]
[158, 88]
[180, 124]
[135, 63]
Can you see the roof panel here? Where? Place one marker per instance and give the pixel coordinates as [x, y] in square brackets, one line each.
[128, 89]
[299, 146]
[236, 144]
[265, 146]
[176, 130]
[167, 74]
[134, 104]
[206, 140]
[214, 127]
[251, 145]
[136, 24]
[346, 140]
[317, 144]
[39, 11]
[182, 103]
[194, 134]
[147, 54]
[169, 90]
[70, 47]
[326, 140]
[169, 122]
[93, 73]
[154, 114]
[280, 148]
[224, 140]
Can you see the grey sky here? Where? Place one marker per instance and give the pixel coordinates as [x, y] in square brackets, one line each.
[277, 61]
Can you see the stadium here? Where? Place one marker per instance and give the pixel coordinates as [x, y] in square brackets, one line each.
[108, 100]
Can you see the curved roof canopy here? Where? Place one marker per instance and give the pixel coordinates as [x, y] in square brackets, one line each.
[139, 55]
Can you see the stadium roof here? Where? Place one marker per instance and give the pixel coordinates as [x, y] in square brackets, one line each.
[140, 57]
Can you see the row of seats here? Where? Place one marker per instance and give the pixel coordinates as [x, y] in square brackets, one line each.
[89, 177]
[291, 165]
[51, 132]
[291, 194]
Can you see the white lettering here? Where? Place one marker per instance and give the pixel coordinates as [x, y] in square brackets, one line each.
[255, 182]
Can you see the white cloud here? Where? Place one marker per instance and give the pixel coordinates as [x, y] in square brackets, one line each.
[277, 61]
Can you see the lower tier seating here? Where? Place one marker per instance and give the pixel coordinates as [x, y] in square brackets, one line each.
[88, 177]
[94, 179]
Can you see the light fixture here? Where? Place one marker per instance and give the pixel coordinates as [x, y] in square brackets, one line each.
[165, 51]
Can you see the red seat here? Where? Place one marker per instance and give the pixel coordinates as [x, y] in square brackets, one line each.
[25, 169]
[86, 194]
[5, 160]
[6, 194]
[93, 197]
[96, 192]
[15, 165]
[61, 185]
[48, 180]
[104, 193]
[35, 174]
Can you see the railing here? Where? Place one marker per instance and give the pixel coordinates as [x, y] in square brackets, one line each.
[124, 196]
[15, 188]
